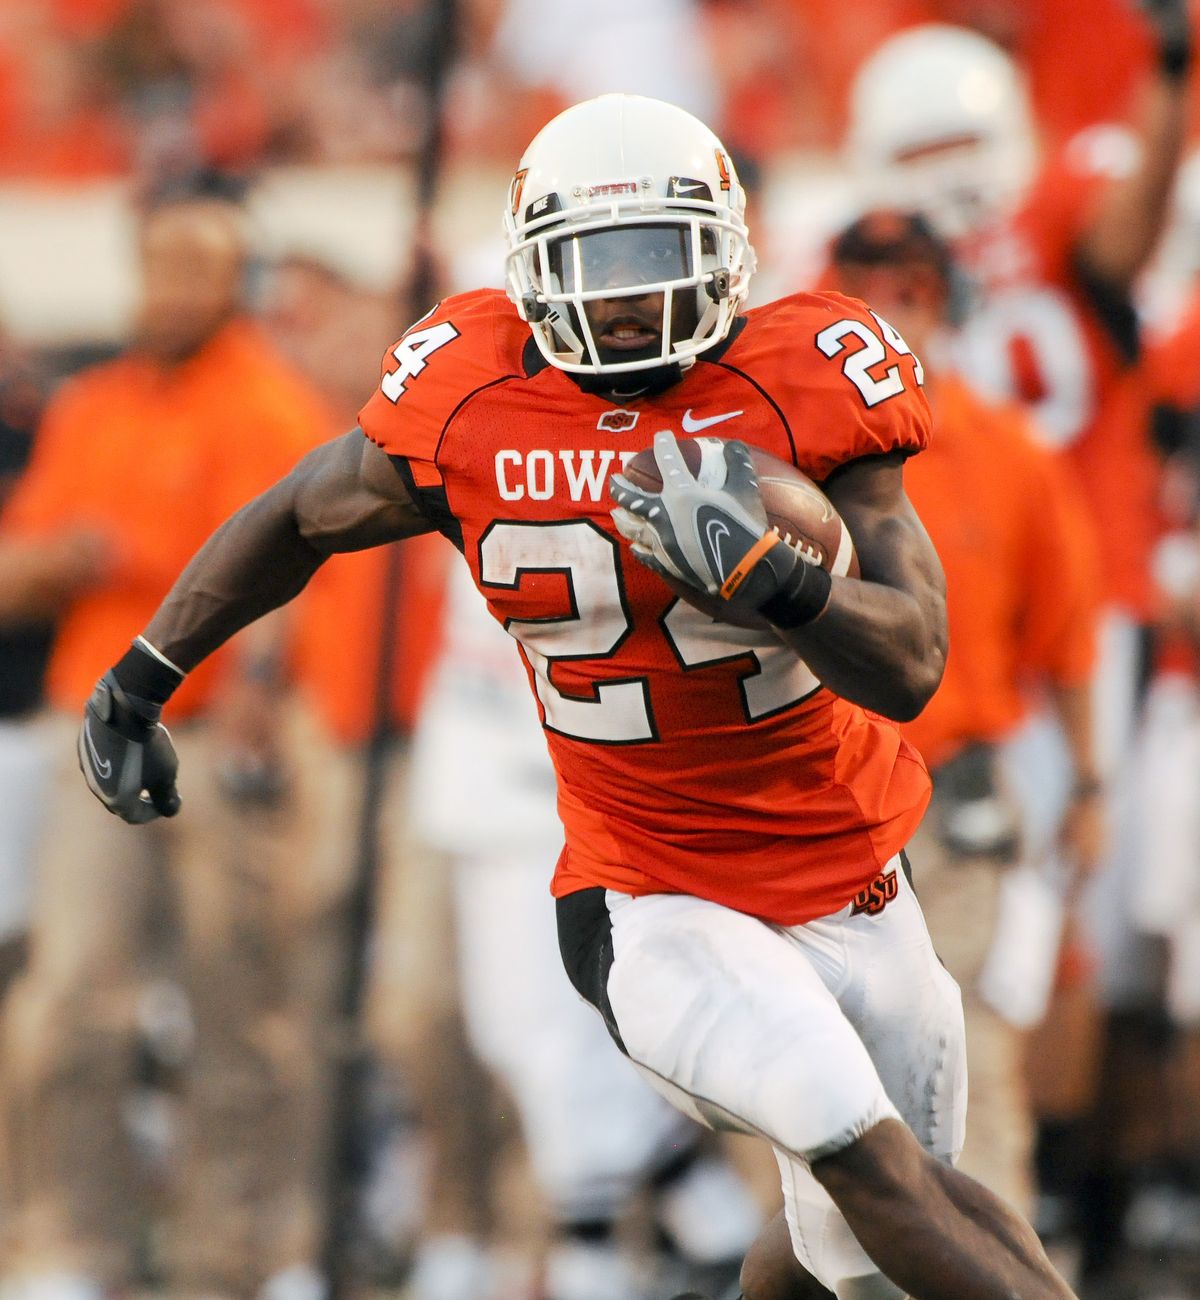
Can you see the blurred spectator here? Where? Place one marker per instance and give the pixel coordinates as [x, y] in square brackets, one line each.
[58, 119]
[1155, 1045]
[137, 460]
[1055, 245]
[350, 777]
[536, 56]
[328, 325]
[596, 1133]
[1019, 555]
[25, 753]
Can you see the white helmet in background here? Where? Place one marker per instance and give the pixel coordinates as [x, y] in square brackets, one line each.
[625, 197]
[940, 123]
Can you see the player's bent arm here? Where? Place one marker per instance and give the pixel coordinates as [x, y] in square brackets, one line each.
[343, 496]
[881, 641]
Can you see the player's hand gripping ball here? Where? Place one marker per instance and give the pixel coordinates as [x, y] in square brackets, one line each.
[725, 524]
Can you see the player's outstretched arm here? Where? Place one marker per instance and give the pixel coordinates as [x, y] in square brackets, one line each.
[1126, 224]
[880, 641]
[344, 496]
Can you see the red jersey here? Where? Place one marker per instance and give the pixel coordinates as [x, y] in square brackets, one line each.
[692, 756]
[1039, 337]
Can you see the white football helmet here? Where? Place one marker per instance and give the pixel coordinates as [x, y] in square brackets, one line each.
[940, 123]
[625, 197]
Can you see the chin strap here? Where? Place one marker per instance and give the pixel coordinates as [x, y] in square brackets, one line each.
[649, 383]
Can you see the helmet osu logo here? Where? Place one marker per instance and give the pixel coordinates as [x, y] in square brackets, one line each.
[517, 189]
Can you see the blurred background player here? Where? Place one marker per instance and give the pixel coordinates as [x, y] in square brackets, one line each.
[354, 716]
[1054, 246]
[26, 754]
[597, 1135]
[1154, 1040]
[1016, 544]
[136, 459]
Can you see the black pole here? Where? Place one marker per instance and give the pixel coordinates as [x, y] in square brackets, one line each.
[347, 1158]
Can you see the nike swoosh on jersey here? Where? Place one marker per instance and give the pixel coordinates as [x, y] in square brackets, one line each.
[694, 426]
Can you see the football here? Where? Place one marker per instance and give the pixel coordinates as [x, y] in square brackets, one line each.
[796, 508]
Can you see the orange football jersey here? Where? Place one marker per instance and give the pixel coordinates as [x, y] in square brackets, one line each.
[1041, 338]
[1018, 549]
[692, 756]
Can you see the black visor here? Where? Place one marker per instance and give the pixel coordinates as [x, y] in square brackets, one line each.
[623, 256]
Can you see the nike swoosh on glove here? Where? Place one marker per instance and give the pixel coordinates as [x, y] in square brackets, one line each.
[126, 754]
[707, 530]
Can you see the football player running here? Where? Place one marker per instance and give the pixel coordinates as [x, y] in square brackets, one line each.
[726, 793]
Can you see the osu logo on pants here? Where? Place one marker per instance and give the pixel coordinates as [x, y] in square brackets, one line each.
[873, 898]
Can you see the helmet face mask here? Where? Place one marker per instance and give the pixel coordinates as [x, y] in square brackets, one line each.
[627, 245]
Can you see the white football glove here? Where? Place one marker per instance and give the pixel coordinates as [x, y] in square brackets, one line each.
[710, 532]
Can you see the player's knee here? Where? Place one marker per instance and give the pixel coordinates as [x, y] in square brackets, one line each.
[887, 1161]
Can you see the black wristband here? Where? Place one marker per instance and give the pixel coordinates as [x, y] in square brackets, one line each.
[145, 676]
[801, 600]
[1173, 31]
[1175, 57]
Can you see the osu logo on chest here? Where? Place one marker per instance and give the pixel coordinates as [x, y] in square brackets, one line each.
[873, 898]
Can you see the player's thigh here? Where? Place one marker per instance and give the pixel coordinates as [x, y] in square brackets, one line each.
[907, 1011]
[905, 1007]
[727, 1016]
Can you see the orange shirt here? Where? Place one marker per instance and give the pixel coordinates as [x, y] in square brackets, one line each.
[338, 635]
[691, 756]
[1037, 338]
[153, 461]
[1019, 554]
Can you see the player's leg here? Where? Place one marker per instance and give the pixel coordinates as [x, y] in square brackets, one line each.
[771, 1270]
[737, 1024]
[934, 1231]
[930, 1229]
